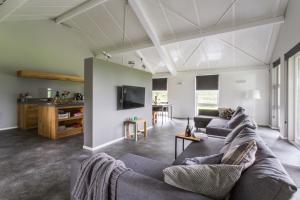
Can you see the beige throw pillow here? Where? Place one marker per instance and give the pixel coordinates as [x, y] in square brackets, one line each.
[214, 181]
[242, 154]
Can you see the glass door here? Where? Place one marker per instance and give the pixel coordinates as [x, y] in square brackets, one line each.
[297, 99]
[275, 74]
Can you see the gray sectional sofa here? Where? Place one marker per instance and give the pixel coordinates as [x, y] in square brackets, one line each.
[266, 179]
[217, 126]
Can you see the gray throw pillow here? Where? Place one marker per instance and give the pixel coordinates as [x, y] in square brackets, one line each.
[236, 120]
[205, 160]
[243, 154]
[237, 111]
[230, 137]
[214, 181]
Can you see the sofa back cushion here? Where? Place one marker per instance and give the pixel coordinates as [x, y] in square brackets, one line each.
[245, 124]
[266, 179]
[243, 154]
[237, 111]
[208, 112]
[236, 120]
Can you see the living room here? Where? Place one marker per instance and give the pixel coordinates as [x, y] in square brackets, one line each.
[117, 99]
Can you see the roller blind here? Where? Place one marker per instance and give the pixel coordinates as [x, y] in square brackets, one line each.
[209, 82]
[292, 52]
[159, 84]
[276, 63]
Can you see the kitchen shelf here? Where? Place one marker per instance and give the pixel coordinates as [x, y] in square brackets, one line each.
[48, 125]
[70, 118]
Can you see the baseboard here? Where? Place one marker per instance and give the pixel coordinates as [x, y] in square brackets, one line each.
[8, 128]
[102, 145]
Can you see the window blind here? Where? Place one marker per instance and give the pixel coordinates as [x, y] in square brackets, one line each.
[159, 84]
[209, 82]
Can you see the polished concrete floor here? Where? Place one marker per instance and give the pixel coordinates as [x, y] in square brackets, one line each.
[35, 168]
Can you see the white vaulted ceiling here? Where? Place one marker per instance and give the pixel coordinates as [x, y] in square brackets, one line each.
[165, 35]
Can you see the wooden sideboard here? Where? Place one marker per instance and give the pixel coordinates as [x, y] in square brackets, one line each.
[27, 116]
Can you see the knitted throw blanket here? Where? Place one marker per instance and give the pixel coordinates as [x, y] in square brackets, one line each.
[97, 179]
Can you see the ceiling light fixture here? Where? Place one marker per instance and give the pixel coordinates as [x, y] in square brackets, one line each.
[132, 63]
[107, 55]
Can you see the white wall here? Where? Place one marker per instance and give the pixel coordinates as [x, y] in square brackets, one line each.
[233, 85]
[36, 45]
[288, 37]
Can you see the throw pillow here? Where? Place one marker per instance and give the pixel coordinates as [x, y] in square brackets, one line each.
[212, 159]
[236, 120]
[243, 155]
[225, 113]
[230, 137]
[214, 181]
[238, 110]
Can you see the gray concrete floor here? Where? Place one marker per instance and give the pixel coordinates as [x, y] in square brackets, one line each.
[35, 168]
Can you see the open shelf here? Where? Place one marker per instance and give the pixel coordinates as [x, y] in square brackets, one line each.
[69, 132]
[70, 118]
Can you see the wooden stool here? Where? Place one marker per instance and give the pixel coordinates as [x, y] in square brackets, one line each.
[137, 131]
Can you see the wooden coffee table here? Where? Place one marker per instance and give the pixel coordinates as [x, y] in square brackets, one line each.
[182, 136]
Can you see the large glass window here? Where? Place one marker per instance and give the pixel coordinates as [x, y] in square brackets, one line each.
[207, 92]
[297, 100]
[207, 99]
[160, 96]
[160, 91]
[275, 74]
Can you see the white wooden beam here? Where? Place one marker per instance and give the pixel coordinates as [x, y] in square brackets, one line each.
[150, 30]
[9, 7]
[218, 29]
[145, 61]
[85, 6]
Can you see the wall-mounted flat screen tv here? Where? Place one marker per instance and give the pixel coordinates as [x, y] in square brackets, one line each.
[130, 97]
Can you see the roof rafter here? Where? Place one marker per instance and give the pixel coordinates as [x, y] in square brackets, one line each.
[149, 28]
[9, 7]
[85, 6]
[211, 31]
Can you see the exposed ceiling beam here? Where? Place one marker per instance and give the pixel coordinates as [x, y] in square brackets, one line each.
[150, 30]
[145, 61]
[218, 29]
[9, 7]
[85, 6]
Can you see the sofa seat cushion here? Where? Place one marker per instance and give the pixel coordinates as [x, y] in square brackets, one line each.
[204, 160]
[203, 148]
[218, 122]
[201, 121]
[145, 166]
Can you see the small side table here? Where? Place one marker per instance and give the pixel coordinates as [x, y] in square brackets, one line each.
[182, 136]
[137, 131]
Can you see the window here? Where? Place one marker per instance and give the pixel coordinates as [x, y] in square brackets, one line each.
[275, 75]
[207, 92]
[161, 96]
[159, 90]
[297, 66]
[207, 99]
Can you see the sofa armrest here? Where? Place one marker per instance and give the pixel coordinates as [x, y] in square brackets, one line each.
[217, 131]
[135, 186]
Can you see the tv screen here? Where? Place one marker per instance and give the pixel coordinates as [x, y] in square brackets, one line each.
[132, 97]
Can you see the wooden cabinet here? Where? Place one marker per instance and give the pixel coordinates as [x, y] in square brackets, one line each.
[50, 125]
[27, 116]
